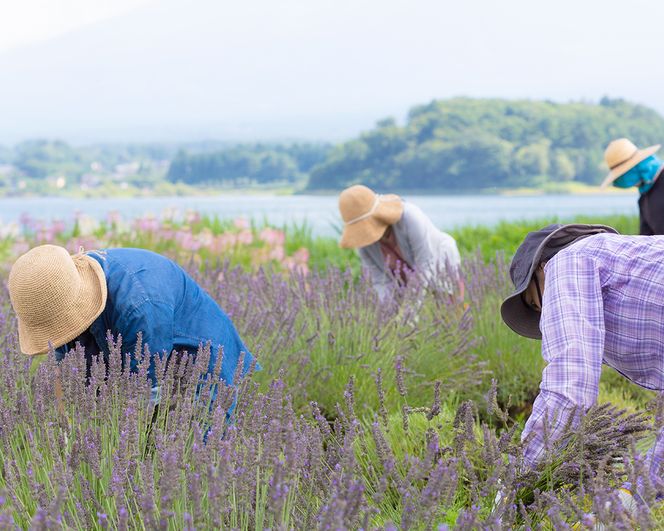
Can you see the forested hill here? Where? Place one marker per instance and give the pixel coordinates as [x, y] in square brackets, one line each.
[470, 144]
[257, 163]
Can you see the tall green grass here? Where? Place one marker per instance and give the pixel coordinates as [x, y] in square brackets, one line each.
[500, 239]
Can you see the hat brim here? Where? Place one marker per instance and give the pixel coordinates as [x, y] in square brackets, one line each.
[516, 314]
[371, 229]
[73, 321]
[520, 317]
[623, 168]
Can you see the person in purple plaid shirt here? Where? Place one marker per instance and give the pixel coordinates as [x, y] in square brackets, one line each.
[592, 296]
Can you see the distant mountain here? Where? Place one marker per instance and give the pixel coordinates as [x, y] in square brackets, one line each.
[470, 144]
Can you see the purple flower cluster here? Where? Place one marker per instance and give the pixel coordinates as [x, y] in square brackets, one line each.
[366, 415]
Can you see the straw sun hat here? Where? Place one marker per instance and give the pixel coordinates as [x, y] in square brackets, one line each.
[621, 156]
[366, 215]
[56, 296]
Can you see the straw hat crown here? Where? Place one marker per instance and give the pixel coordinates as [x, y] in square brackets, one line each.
[366, 215]
[355, 202]
[56, 297]
[622, 155]
[49, 274]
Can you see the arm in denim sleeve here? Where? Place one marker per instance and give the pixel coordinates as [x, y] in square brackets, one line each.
[154, 320]
[572, 325]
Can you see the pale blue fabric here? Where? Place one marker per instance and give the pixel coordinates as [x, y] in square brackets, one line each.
[430, 252]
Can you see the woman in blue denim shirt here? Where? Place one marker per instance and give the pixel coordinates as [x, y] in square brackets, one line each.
[62, 299]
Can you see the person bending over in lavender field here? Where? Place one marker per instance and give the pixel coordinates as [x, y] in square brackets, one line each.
[61, 300]
[593, 297]
[395, 238]
[630, 166]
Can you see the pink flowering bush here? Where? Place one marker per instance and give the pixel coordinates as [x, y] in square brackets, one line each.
[192, 238]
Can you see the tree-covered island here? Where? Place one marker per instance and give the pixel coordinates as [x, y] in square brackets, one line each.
[454, 145]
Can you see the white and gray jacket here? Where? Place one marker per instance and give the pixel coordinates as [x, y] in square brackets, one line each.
[431, 253]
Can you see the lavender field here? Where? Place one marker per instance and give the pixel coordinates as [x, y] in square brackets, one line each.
[404, 415]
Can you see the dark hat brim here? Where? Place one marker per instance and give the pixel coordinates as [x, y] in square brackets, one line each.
[520, 317]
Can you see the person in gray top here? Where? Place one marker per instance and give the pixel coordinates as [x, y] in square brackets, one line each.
[395, 239]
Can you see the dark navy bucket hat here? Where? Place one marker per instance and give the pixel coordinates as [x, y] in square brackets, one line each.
[537, 247]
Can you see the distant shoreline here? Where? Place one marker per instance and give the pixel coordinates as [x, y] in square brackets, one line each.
[192, 191]
[561, 189]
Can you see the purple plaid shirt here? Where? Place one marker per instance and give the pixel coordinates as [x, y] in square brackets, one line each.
[603, 302]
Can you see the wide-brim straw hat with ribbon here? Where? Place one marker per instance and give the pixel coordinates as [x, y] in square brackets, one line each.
[56, 296]
[621, 156]
[366, 215]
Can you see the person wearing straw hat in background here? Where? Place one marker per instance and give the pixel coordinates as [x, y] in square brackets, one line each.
[61, 300]
[630, 166]
[395, 238]
[593, 297]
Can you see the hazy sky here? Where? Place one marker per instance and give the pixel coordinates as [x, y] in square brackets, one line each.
[27, 21]
[89, 70]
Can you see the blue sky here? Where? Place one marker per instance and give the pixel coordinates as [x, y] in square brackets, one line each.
[89, 70]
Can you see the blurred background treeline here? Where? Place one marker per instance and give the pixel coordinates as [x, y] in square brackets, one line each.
[452, 145]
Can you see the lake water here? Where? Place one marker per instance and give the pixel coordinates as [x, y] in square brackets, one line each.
[321, 213]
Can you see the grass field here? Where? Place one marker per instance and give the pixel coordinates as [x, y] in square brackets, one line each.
[402, 415]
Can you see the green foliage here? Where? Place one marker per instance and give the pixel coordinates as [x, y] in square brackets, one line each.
[324, 251]
[403, 443]
[454, 145]
[389, 380]
[246, 164]
[40, 158]
[506, 236]
[515, 362]
[128, 169]
[469, 144]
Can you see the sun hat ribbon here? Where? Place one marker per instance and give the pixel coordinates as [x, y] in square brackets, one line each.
[367, 214]
[636, 150]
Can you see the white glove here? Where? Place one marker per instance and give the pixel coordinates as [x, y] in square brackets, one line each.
[497, 499]
[155, 395]
[628, 502]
